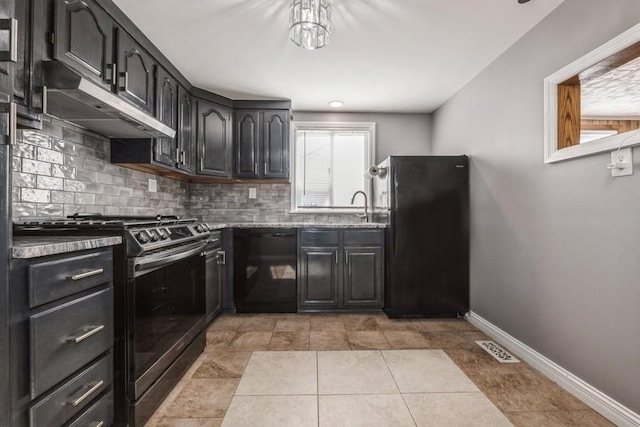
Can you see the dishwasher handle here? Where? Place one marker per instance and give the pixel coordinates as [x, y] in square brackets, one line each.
[283, 234]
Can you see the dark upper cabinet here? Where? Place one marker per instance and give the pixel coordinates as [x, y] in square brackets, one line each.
[247, 146]
[318, 278]
[84, 39]
[186, 130]
[167, 112]
[214, 140]
[275, 144]
[135, 73]
[27, 78]
[262, 144]
[362, 277]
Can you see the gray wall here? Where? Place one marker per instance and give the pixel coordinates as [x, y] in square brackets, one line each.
[554, 248]
[397, 134]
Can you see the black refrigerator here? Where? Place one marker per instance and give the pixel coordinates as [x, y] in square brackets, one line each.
[425, 202]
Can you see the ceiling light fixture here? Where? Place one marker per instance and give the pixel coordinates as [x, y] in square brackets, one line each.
[310, 23]
[336, 104]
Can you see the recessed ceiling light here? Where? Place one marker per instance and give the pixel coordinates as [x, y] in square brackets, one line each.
[336, 104]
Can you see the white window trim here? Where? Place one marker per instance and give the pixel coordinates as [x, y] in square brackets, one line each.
[370, 154]
[551, 152]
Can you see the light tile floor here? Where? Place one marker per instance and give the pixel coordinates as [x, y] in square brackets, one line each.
[312, 382]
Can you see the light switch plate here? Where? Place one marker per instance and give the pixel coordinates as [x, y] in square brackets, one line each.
[252, 193]
[153, 185]
[622, 157]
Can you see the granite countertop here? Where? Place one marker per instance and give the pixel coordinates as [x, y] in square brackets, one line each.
[218, 226]
[25, 247]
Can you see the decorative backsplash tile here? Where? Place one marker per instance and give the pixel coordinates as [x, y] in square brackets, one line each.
[64, 170]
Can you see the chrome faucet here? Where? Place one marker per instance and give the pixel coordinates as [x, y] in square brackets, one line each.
[365, 215]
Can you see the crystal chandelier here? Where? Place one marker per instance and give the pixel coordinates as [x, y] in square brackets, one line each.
[310, 23]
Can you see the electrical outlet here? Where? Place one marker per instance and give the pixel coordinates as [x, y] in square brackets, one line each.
[153, 185]
[252, 193]
[622, 162]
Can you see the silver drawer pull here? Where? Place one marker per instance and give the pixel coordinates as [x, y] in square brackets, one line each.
[100, 424]
[92, 389]
[86, 335]
[87, 274]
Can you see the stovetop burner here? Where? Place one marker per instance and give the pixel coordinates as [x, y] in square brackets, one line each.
[122, 218]
[95, 220]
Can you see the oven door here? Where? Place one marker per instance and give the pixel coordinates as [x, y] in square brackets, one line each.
[167, 301]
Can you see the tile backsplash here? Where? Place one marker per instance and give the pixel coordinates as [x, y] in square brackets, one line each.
[63, 170]
[231, 203]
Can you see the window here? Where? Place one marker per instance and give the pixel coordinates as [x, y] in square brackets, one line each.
[330, 160]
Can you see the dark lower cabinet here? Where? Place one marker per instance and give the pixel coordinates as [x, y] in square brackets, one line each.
[319, 278]
[61, 340]
[362, 276]
[214, 275]
[340, 269]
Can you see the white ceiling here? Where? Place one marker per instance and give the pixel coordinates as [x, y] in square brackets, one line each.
[384, 55]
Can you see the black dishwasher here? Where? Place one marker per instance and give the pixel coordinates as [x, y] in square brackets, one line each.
[264, 270]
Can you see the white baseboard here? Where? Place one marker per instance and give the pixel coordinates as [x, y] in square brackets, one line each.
[600, 402]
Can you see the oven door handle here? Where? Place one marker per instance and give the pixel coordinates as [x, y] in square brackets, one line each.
[155, 262]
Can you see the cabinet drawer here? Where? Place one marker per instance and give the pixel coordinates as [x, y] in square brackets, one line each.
[69, 336]
[363, 237]
[98, 415]
[74, 396]
[319, 237]
[52, 280]
[216, 237]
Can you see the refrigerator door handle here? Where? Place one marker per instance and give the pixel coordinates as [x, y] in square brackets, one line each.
[395, 192]
[393, 230]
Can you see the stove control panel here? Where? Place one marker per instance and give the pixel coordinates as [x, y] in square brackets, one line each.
[152, 238]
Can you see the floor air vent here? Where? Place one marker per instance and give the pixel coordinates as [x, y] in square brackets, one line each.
[498, 353]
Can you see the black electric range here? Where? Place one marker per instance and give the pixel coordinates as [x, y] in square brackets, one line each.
[159, 292]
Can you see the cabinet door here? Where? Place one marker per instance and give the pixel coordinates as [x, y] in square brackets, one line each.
[186, 131]
[135, 81]
[214, 140]
[167, 113]
[84, 39]
[318, 278]
[213, 277]
[275, 144]
[362, 277]
[247, 146]
[22, 81]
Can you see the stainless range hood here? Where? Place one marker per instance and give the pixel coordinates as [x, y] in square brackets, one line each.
[77, 100]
